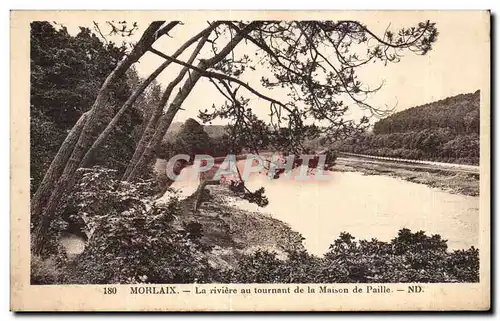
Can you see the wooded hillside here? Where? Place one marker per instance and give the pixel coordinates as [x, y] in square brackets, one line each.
[446, 130]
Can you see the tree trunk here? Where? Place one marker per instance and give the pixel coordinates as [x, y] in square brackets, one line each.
[56, 167]
[152, 144]
[130, 101]
[153, 121]
[198, 194]
[186, 89]
[140, 89]
[84, 141]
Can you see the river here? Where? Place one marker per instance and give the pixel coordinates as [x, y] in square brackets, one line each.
[366, 206]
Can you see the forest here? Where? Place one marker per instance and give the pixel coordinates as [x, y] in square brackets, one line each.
[446, 131]
[97, 128]
[66, 73]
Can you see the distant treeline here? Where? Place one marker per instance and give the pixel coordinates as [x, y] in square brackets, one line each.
[446, 130]
[193, 138]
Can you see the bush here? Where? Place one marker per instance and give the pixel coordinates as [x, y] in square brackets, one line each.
[131, 239]
[45, 271]
[410, 257]
[138, 246]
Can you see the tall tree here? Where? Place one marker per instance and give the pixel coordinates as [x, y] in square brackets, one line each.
[66, 72]
[57, 183]
[157, 112]
[192, 138]
[299, 55]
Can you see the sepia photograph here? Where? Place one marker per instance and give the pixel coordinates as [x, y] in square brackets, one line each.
[251, 155]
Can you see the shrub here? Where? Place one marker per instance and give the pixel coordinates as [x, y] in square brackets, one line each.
[410, 257]
[45, 271]
[463, 265]
[97, 192]
[142, 246]
[131, 239]
[259, 267]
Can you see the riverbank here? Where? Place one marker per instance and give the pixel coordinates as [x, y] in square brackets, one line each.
[231, 241]
[447, 180]
[253, 247]
[233, 232]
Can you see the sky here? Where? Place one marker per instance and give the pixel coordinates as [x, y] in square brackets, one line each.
[450, 68]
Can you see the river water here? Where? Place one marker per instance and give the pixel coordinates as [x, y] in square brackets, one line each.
[366, 206]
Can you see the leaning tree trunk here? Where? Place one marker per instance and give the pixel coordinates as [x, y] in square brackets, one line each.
[183, 93]
[149, 146]
[111, 126]
[145, 150]
[131, 100]
[155, 117]
[85, 139]
[56, 167]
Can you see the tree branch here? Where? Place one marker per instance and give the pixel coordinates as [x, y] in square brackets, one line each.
[211, 74]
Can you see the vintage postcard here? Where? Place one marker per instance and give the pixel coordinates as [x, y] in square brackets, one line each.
[250, 161]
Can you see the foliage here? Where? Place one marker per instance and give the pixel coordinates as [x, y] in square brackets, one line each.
[42, 129]
[66, 73]
[313, 80]
[460, 114]
[446, 130]
[146, 102]
[192, 138]
[257, 197]
[131, 239]
[266, 267]
[99, 192]
[410, 257]
[136, 241]
[139, 245]
[45, 271]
